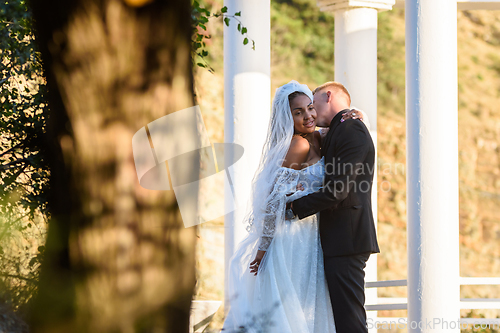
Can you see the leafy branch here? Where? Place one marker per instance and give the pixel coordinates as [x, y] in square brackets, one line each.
[241, 28]
[201, 16]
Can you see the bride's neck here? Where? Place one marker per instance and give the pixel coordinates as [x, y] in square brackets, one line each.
[308, 136]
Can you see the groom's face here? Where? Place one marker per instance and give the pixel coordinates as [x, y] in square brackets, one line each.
[321, 105]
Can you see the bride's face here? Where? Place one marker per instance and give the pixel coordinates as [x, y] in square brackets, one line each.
[304, 114]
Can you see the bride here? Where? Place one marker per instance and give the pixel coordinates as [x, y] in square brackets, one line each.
[276, 278]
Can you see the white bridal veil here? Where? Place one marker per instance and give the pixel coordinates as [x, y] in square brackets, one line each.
[266, 209]
[279, 137]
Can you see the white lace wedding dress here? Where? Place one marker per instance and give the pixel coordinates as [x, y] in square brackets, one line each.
[289, 294]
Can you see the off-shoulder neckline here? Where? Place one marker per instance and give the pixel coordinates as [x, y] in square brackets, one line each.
[321, 159]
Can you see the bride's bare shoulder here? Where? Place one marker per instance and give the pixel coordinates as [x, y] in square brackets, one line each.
[297, 153]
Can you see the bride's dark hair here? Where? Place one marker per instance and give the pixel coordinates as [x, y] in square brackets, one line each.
[292, 96]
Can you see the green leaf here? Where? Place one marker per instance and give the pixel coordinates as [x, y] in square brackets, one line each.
[201, 65]
[237, 14]
[239, 26]
[223, 9]
[245, 41]
[203, 26]
[243, 30]
[226, 20]
[253, 45]
[203, 19]
[204, 53]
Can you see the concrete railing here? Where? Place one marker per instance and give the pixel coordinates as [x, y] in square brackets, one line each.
[401, 303]
[202, 312]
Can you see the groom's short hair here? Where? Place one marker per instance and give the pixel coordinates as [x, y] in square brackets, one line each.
[335, 87]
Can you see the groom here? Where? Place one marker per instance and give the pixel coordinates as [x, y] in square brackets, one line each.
[346, 225]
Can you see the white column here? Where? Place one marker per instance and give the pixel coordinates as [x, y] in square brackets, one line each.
[432, 166]
[247, 106]
[356, 57]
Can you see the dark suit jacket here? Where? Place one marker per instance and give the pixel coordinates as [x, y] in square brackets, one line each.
[346, 220]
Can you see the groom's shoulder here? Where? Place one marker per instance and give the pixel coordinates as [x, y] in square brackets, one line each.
[352, 126]
[352, 130]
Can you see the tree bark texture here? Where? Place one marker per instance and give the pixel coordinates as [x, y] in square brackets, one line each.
[118, 258]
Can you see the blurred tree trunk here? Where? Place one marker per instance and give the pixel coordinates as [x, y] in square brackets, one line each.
[118, 258]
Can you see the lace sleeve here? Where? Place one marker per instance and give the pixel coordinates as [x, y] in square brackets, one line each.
[274, 211]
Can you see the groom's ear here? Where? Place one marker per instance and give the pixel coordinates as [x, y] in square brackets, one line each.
[328, 96]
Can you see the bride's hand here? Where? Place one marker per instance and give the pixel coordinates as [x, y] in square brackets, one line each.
[254, 265]
[352, 114]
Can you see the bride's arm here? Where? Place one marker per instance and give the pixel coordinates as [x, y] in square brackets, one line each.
[271, 215]
[296, 156]
[357, 114]
[354, 114]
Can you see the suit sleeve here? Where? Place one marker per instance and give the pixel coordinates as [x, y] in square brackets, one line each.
[351, 145]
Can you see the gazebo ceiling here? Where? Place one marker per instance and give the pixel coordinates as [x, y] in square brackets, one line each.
[334, 5]
[466, 4]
